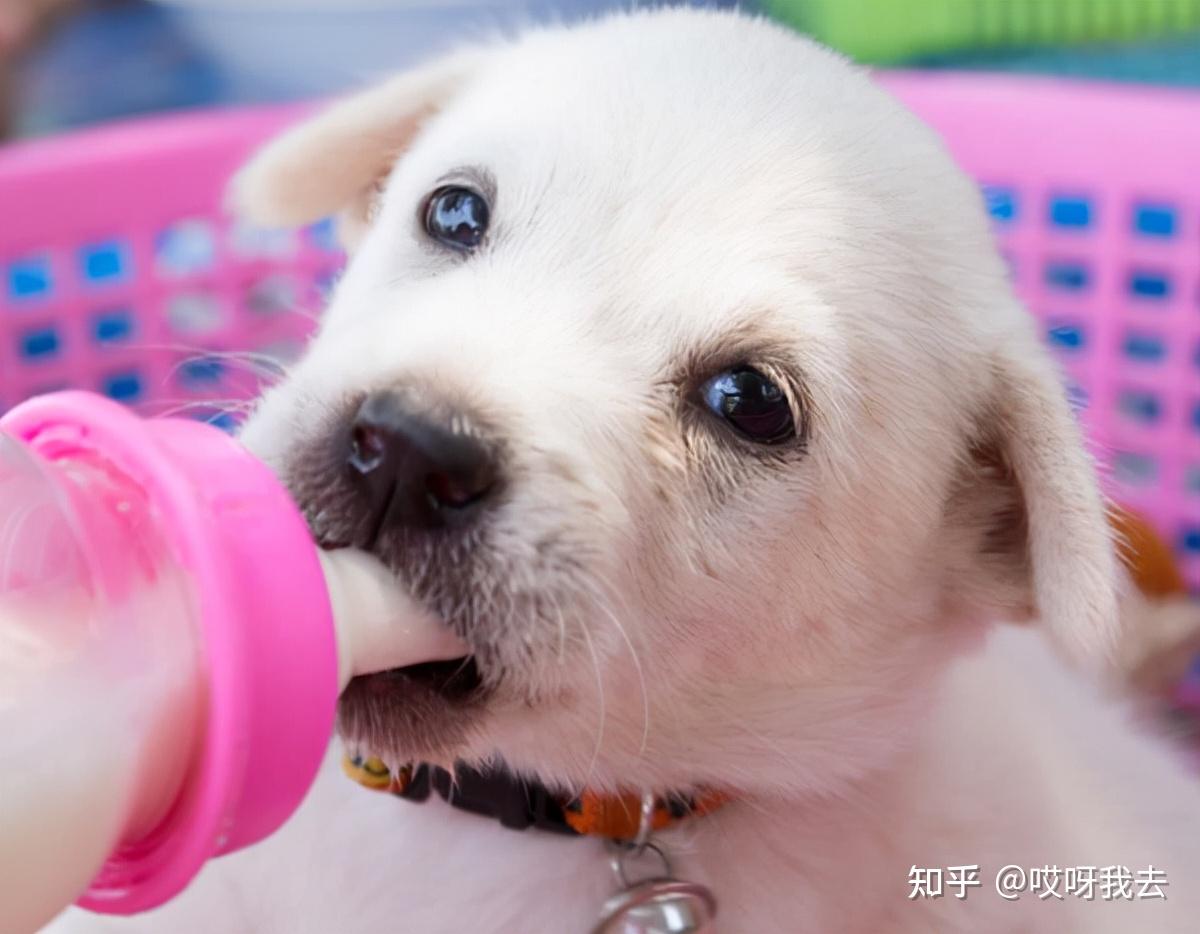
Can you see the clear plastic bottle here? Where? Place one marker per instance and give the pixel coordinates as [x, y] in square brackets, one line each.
[172, 644]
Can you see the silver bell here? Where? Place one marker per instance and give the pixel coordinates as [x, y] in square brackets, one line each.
[659, 906]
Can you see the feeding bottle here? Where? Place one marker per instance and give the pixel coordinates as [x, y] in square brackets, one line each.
[172, 644]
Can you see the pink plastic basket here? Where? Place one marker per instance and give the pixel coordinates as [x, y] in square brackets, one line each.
[1094, 190]
[120, 272]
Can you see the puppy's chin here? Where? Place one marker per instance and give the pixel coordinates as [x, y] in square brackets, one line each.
[419, 713]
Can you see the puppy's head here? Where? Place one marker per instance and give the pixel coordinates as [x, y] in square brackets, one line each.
[673, 368]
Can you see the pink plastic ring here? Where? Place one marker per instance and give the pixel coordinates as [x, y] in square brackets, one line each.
[266, 627]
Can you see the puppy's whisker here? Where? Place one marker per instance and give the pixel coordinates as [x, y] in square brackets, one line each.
[562, 629]
[591, 768]
[637, 664]
[257, 362]
[298, 311]
[260, 365]
[212, 407]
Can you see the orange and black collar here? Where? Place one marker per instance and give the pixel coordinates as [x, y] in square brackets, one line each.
[520, 804]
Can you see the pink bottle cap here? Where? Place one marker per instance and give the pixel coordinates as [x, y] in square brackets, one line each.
[266, 630]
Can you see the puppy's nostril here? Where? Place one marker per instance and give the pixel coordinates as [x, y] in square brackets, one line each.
[368, 448]
[450, 492]
[415, 469]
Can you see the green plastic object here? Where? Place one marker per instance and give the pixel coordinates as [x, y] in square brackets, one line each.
[883, 31]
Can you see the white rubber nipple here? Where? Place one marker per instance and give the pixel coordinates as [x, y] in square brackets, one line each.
[379, 625]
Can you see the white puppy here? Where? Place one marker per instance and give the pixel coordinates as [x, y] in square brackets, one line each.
[674, 368]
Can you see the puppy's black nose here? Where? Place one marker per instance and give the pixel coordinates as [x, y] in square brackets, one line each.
[417, 470]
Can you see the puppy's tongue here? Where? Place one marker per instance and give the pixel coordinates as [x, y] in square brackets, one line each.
[379, 625]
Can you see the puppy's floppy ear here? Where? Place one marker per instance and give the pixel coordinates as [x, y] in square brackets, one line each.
[1038, 541]
[333, 163]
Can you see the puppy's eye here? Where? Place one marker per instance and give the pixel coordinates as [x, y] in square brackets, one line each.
[456, 217]
[751, 403]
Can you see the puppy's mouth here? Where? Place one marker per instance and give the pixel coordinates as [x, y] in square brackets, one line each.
[421, 710]
[456, 681]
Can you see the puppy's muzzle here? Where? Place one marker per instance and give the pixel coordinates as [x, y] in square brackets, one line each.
[416, 469]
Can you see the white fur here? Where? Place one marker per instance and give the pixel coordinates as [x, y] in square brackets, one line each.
[812, 634]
